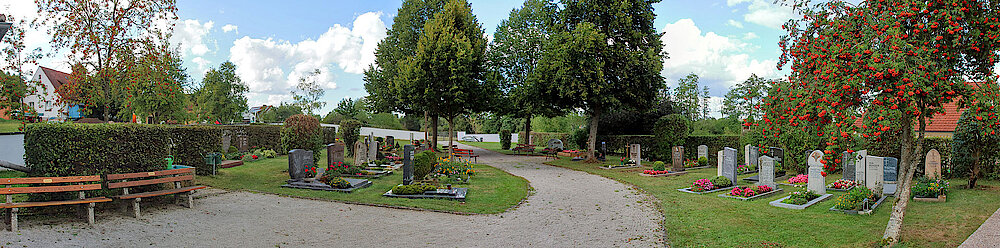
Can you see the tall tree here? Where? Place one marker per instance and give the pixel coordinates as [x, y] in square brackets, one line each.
[903, 58]
[742, 100]
[398, 46]
[95, 31]
[620, 58]
[14, 83]
[446, 76]
[308, 92]
[688, 98]
[153, 83]
[222, 96]
[518, 44]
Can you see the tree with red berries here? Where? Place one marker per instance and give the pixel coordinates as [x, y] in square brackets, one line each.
[885, 58]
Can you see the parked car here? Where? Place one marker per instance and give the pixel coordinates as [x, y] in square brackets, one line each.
[472, 139]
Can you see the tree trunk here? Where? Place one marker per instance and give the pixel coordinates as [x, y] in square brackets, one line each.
[451, 140]
[423, 126]
[527, 130]
[434, 133]
[908, 157]
[974, 172]
[595, 115]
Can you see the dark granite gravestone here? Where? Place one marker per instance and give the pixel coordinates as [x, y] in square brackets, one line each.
[729, 164]
[777, 154]
[845, 161]
[890, 173]
[604, 151]
[298, 161]
[860, 165]
[678, 158]
[243, 143]
[334, 153]
[390, 141]
[407, 164]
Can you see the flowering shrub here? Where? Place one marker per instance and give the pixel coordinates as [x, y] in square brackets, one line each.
[335, 182]
[743, 168]
[855, 199]
[655, 172]
[343, 168]
[459, 171]
[702, 185]
[842, 184]
[750, 191]
[722, 182]
[799, 179]
[626, 162]
[927, 188]
[800, 197]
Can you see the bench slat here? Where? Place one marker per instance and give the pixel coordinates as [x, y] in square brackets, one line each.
[159, 193]
[150, 174]
[36, 180]
[53, 203]
[48, 189]
[150, 181]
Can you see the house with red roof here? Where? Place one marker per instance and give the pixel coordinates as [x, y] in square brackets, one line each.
[49, 102]
[941, 125]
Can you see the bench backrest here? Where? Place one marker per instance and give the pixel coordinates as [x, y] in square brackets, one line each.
[49, 180]
[149, 178]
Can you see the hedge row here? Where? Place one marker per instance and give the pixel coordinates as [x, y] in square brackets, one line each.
[191, 143]
[542, 139]
[58, 150]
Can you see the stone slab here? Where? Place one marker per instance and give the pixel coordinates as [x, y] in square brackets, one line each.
[355, 185]
[459, 194]
[778, 203]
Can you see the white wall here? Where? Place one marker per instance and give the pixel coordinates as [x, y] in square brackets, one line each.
[489, 137]
[45, 101]
[379, 132]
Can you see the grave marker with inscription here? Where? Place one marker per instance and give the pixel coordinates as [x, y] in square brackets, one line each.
[729, 164]
[932, 164]
[766, 175]
[817, 182]
[678, 158]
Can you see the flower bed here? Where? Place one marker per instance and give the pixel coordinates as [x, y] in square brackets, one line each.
[841, 185]
[702, 186]
[799, 180]
[859, 200]
[745, 169]
[750, 192]
[661, 173]
[930, 190]
[800, 199]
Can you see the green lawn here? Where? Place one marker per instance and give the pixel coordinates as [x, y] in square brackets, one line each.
[9, 126]
[710, 221]
[490, 191]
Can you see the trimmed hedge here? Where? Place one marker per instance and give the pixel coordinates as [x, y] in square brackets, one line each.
[617, 144]
[58, 150]
[265, 136]
[542, 139]
[191, 143]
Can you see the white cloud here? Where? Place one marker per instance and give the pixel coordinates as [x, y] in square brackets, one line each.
[191, 36]
[230, 28]
[273, 66]
[750, 36]
[34, 37]
[765, 12]
[734, 23]
[719, 61]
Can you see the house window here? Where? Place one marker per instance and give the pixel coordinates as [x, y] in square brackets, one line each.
[31, 104]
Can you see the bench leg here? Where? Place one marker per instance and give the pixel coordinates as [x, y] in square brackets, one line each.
[189, 199]
[13, 219]
[135, 207]
[90, 213]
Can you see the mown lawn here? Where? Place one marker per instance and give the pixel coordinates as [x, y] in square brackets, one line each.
[490, 191]
[9, 126]
[711, 221]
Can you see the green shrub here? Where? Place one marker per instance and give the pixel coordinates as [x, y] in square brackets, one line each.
[702, 161]
[336, 182]
[854, 198]
[413, 189]
[579, 139]
[670, 130]
[927, 188]
[265, 137]
[350, 130]
[329, 135]
[423, 164]
[505, 139]
[302, 132]
[232, 149]
[721, 182]
[800, 197]
[659, 166]
[59, 150]
[191, 143]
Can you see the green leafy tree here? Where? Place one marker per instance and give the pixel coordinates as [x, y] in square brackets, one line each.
[446, 76]
[280, 113]
[308, 92]
[518, 45]
[671, 130]
[347, 109]
[688, 98]
[222, 95]
[743, 98]
[154, 85]
[607, 53]
[13, 86]
[349, 131]
[382, 80]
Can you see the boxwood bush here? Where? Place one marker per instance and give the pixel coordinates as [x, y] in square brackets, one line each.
[57, 150]
[505, 139]
[423, 164]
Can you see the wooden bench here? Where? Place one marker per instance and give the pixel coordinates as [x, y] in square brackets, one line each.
[525, 148]
[175, 176]
[466, 154]
[55, 184]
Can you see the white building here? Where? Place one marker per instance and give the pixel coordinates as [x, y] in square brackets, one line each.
[47, 101]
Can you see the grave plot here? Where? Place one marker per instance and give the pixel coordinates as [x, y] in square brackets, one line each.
[799, 200]
[859, 201]
[704, 186]
[304, 175]
[660, 170]
[750, 192]
[634, 159]
[424, 191]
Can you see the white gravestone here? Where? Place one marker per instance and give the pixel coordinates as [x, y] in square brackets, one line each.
[766, 175]
[702, 152]
[932, 164]
[817, 183]
[873, 173]
[746, 155]
[860, 165]
[719, 163]
[635, 154]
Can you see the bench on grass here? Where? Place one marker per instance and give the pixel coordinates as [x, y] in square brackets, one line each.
[175, 177]
[77, 184]
[466, 154]
[524, 148]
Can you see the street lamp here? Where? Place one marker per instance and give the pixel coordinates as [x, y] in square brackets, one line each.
[4, 25]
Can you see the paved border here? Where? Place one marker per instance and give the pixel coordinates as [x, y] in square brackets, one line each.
[988, 234]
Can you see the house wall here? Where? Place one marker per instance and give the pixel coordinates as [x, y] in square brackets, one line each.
[45, 101]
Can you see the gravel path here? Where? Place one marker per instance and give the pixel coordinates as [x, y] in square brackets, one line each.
[568, 209]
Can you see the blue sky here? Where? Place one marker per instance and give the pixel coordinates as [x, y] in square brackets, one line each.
[273, 43]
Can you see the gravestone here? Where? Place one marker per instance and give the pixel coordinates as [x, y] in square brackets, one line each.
[718, 163]
[873, 172]
[777, 154]
[754, 157]
[555, 144]
[360, 152]
[845, 161]
[860, 165]
[407, 164]
[372, 151]
[635, 154]
[890, 172]
[227, 141]
[390, 141]
[766, 175]
[932, 164]
[678, 158]
[702, 152]
[746, 154]
[604, 151]
[729, 164]
[242, 143]
[298, 161]
[334, 153]
[817, 182]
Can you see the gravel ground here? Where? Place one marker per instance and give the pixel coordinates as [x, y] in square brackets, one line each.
[568, 209]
